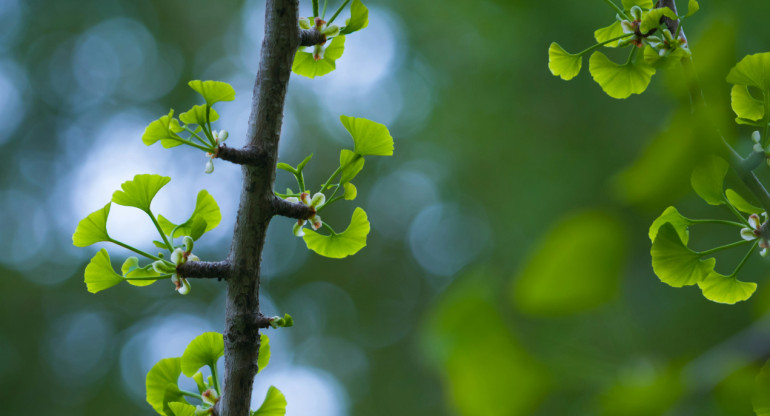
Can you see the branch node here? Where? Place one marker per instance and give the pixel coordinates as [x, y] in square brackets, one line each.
[248, 155]
[204, 270]
[294, 210]
[310, 37]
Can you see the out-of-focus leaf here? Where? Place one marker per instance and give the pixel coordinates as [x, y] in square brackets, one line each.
[708, 179]
[761, 397]
[643, 391]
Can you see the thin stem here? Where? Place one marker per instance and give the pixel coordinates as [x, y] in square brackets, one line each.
[209, 133]
[191, 394]
[284, 196]
[323, 13]
[331, 178]
[196, 135]
[329, 202]
[160, 231]
[334, 16]
[765, 138]
[631, 56]
[617, 9]
[328, 227]
[585, 51]
[724, 247]
[161, 277]
[135, 250]
[745, 258]
[300, 181]
[725, 222]
[735, 211]
[215, 377]
[315, 8]
[193, 144]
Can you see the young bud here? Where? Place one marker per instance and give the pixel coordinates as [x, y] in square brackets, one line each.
[162, 267]
[636, 13]
[758, 148]
[316, 222]
[763, 252]
[209, 166]
[210, 396]
[318, 52]
[318, 200]
[319, 22]
[177, 257]
[756, 137]
[198, 377]
[188, 243]
[747, 234]
[221, 135]
[292, 199]
[332, 31]
[298, 232]
[193, 257]
[628, 26]
[304, 23]
[305, 198]
[667, 34]
[185, 286]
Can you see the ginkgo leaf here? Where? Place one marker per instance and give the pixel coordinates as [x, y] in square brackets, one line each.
[692, 7]
[644, 4]
[370, 138]
[562, 63]
[359, 18]
[726, 289]
[350, 191]
[620, 81]
[708, 179]
[204, 350]
[651, 19]
[342, 244]
[164, 129]
[273, 405]
[745, 105]
[264, 352]
[204, 218]
[677, 220]
[197, 115]
[305, 65]
[99, 274]
[741, 204]
[674, 263]
[131, 270]
[162, 385]
[213, 91]
[140, 191]
[182, 409]
[752, 70]
[351, 164]
[610, 32]
[93, 228]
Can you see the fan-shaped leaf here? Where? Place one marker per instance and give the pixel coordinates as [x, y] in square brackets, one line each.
[370, 138]
[741, 204]
[644, 4]
[752, 70]
[620, 81]
[140, 191]
[562, 63]
[162, 385]
[164, 129]
[273, 405]
[344, 244]
[93, 228]
[182, 409]
[651, 19]
[744, 105]
[674, 263]
[204, 350]
[610, 32]
[213, 91]
[99, 274]
[204, 218]
[305, 65]
[708, 179]
[197, 115]
[726, 289]
[131, 269]
[351, 164]
[264, 352]
[359, 18]
[692, 7]
[673, 217]
[350, 191]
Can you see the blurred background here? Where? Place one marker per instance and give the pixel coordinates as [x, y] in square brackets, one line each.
[508, 268]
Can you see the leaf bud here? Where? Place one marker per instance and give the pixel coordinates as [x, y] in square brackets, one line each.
[636, 13]
[318, 200]
[298, 231]
[184, 288]
[193, 257]
[628, 26]
[203, 411]
[162, 267]
[316, 222]
[209, 166]
[221, 135]
[177, 257]
[210, 396]
[188, 243]
[756, 137]
[304, 23]
[292, 199]
[331, 31]
[198, 377]
[305, 198]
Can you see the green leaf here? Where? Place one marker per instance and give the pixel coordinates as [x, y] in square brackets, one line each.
[673, 217]
[287, 167]
[351, 164]
[159, 244]
[741, 204]
[93, 228]
[273, 405]
[305, 65]
[131, 264]
[726, 289]
[644, 4]
[569, 275]
[350, 191]
[359, 18]
[162, 385]
[99, 274]
[747, 122]
[652, 58]
[752, 70]
[562, 63]
[619, 81]
[197, 115]
[264, 352]
[343, 244]
[674, 263]
[651, 19]
[304, 163]
[131, 269]
[213, 91]
[606, 33]
[182, 409]
[204, 350]
[370, 138]
[163, 129]
[204, 218]
[692, 8]
[708, 178]
[745, 105]
[140, 191]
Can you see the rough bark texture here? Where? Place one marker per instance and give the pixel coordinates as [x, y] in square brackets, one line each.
[246, 156]
[298, 211]
[204, 269]
[241, 332]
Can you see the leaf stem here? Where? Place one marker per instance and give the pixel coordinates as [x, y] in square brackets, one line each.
[585, 51]
[193, 144]
[323, 13]
[745, 258]
[617, 9]
[331, 178]
[330, 201]
[160, 231]
[328, 227]
[191, 394]
[160, 277]
[195, 135]
[725, 222]
[631, 56]
[765, 138]
[135, 250]
[315, 8]
[334, 16]
[215, 377]
[736, 212]
[724, 247]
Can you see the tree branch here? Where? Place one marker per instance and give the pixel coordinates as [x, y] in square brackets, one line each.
[310, 37]
[671, 24]
[241, 333]
[204, 270]
[248, 155]
[298, 211]
[262, 321]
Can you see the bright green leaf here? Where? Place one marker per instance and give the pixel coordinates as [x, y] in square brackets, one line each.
[741, 204]
[182, 409]
[619, 81]
[562, 63]
[343, 244]
[197, 115]
[163, 129]
[264, 352]
[131, 269]
[213, 91]
[273, 405]
[350, 191]
[99, 273]
[304, 163]
[673, 217]
[674, 263]
[162, 385]
[351, 164]
[287, 167]
[204, 350]
[204, 218]
[708, 179]
[140, 191]
[644, 4]
[726, 289]
[692, 7]
[652, 58]
[93, 228]
[159, 244]
[570, 275]
[129, 265]
[744, 105]
[747, 122]
[651, 19]
[359, 18]
[370, 138]
[606, 33]
[305, 65]
[753, 70]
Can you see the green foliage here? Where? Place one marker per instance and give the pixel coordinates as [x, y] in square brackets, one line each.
[761, 396]
[692, 8]
[359, 18]
[136, 275]
[319, 62]
[93, 228]
[708, 178]
[752, 71]
[204, 218]
[162, 387]
[370, 138]
[182, 409]
[734, 199]
[590, 245]
[204, 350]
[745, 105]
[726, 289]
[140, 191]
[620, 81]
[213, 91]
[680, 223]
[606, 34]
[197, 115]
[273, 405]
[566, 65]
[674, 263]
[644, 4]
[164, 129]
[99, 274]
[643, 391]
[346, 243]
[350, 190]
[651, 19]
[351, 164]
